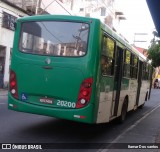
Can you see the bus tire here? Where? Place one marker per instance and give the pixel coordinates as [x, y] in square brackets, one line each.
[123, 111]
[141, 106]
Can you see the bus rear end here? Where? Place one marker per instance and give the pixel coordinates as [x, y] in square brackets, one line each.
[51, 69]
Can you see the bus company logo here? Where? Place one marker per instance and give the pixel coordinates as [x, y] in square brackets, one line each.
[6, 146]
[48, 61]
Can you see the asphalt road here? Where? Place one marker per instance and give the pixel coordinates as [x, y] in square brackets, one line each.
[16, 127]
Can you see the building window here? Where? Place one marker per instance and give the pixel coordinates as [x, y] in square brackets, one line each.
[8, 21]
[81, 9]
[103, 11]
[2, 58]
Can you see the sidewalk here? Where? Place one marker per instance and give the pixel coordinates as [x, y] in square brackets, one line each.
[3, 92]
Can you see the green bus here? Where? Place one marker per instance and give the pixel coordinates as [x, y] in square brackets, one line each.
[75, 68]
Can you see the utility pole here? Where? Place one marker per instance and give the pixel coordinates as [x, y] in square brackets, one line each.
[72, 4]
[38, 6]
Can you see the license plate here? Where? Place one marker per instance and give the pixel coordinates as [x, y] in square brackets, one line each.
[46, 100]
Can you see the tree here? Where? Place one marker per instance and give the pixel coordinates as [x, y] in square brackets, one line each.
[154, 53]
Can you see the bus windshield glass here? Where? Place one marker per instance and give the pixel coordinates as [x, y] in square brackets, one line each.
[54, 38]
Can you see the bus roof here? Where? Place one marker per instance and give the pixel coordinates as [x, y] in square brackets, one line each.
[59, 17]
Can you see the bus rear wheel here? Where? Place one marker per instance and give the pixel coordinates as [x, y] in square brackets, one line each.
[141, 106]
[123, 112]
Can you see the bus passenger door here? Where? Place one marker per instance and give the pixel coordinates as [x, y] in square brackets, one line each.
[117, 80]
[107, 63]
[139, 82]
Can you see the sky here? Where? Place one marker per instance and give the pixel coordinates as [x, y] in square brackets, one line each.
[138, 20]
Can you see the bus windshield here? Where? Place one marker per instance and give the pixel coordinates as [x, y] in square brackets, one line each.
[54, 38]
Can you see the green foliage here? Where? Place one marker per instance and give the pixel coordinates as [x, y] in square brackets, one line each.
[154, 54]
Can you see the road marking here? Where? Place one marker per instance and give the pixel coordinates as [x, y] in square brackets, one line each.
[130, 128]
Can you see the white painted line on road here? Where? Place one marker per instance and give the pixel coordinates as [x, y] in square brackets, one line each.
[130, 128]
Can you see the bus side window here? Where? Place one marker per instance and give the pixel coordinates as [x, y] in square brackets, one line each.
[104, 65]
[144, 76]
[146, 70]
[127, 62]
[107, 57]
[134, 66]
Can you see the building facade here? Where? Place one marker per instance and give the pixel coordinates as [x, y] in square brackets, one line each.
[105, 10]
[101, 9]
[8, 15]
[38, 7]
[28, 5]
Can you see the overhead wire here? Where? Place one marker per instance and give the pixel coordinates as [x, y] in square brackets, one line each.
[58, 3]
[51, 32]
[47, 5]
